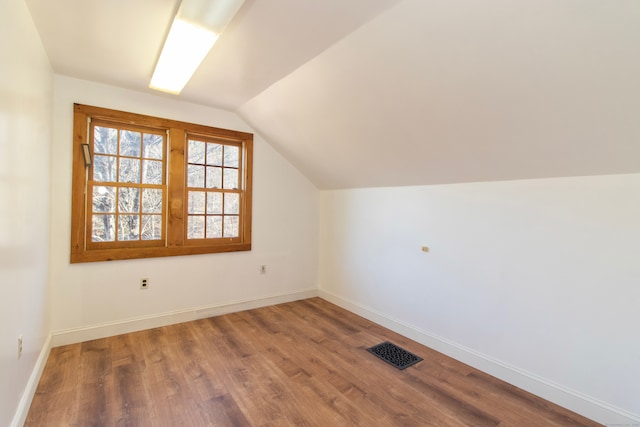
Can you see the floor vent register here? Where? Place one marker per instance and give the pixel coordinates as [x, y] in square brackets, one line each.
[394, 355]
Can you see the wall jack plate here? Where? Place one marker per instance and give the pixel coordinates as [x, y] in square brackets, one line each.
[19, 346]
[144, 283]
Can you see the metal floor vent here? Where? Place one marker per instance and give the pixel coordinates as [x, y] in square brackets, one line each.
[394, 355]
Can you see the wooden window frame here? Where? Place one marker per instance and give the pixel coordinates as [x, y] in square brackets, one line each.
[223, 191]
[117, 184]
[174, 210]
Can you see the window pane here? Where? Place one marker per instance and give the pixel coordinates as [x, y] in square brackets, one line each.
[105, 140]
[128, 227]
[196, 152]
[230, 179]
[214, 227]
[151, 200]
[151, 172]
[214, 154]
[195, 227]
[232, 203]
[104, 168]
[231, 156]
[214, 177]
[230, 226]
[152, 146]
[151, 227]
[128, 200]
[104, 199]
[196, 202]
[130, 143]
[129, 170]
[214, 203]
[196, 176]
[103, 228]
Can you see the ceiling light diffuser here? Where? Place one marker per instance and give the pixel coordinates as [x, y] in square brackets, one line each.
[194, 30]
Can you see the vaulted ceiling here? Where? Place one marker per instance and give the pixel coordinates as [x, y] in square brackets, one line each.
[360, 93]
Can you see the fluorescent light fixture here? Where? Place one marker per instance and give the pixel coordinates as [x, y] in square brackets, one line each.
[194, 30]
[183, 51]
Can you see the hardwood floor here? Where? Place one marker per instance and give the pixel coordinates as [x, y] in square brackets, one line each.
[297, 364]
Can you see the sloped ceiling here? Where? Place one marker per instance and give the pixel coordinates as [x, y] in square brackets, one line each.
[364, 93]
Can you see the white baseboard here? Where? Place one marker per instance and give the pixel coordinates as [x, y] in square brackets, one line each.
[25, 401]
[76, 335]
[573, 400]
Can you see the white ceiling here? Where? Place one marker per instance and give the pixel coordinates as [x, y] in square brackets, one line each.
[359, 93]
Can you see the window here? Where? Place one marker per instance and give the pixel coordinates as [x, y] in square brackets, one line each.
[213, 170]
[125, 186]
[154, 187]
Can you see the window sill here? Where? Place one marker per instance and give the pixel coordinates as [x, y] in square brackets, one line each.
[97, 255]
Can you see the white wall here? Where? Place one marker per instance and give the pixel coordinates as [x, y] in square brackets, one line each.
[539, 277]
[285, 229]
[26, 82]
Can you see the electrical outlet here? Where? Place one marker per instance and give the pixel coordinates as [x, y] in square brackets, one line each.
[19, 346]
[263, 269]
[144, 283]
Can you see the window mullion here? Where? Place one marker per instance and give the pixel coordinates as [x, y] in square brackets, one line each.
[177, 205]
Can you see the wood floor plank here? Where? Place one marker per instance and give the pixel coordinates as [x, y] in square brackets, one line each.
[56, 401]
[297, 364]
